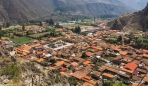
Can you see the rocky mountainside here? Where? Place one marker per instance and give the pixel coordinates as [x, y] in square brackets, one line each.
[23, 10]
[137, 20]
[135, 4]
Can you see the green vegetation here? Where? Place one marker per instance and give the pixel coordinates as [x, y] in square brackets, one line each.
[12, 71]
[77, 29]
[119, 83]
[37, 35]
[22, 40]
[112, 41]
[142, 43]
[119, 39]
[1, 32]
[84, 55]
[72, 81]
[7, 59]
[7, 24]
[50, 22]
[112, 83]
[23, 28]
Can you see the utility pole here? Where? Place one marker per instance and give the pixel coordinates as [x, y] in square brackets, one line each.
[32, 80]
[39, 79]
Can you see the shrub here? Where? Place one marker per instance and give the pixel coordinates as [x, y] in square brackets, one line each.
[12, 71]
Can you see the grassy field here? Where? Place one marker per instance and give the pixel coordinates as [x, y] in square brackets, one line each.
[22, 40]
[39, 34]
[75, 25]
[5, 38]
[119, 84]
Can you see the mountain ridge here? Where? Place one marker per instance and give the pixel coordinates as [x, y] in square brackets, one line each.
[24, 10]
[137, 20]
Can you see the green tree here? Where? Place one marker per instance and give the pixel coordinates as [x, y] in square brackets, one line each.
[23, 28]
[40, 23]
[51, 22]
[7, 24]
[84, 55]
[77, 29]
[1, 32]
[119, 39]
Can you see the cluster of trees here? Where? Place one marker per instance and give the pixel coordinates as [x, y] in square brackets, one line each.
[141, 43]
[50, 22]
[77, 30]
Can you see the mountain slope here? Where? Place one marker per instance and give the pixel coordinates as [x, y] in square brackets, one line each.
[135, 4]
[18, 10]
[137, 20]
[23, 10]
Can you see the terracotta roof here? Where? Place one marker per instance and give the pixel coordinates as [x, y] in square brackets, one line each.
[131, 66]
[89, 81]
[88, 54]
[145, 61]
[145, 55]
[141, 70]
[87, 84]
[63, 69]
[26, 48]
[34, 45]
[136, 78]
[54, 53]
[82, 72]
[64, 74]
[87, 77]
[117, 48]
[86, 62]
[108, 75]
[124, 53]
[134, 84]
[40, 60]
[78, 74]
[136, 61]
[96, 73]
[97, 48]
[38, 53]
[145, 78]
[145, 51]
[59, 63]
[74, 64]
[126, 70]
[127, 59]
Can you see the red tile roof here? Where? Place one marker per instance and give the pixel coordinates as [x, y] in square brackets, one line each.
[26, 48]
[59, 63]
[86, 62]
[108, 75]
[74, 64]
[131, 66]
[124, 53]
[88, 54]
[145, 55]
[63, 69]
[97, 48]
[54, 53]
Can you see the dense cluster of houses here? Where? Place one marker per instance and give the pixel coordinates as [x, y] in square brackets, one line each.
[90, 59]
